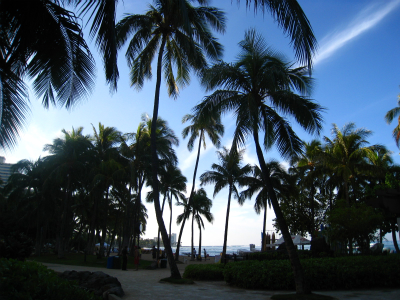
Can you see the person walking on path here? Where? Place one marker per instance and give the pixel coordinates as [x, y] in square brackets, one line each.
[137, 257]
[124, 258]
[154, 252]
[205, 253]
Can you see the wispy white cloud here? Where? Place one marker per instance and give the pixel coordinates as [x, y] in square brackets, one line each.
[366, 20]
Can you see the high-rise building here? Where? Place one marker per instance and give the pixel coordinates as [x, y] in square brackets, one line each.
[5, 171]
[173, 239]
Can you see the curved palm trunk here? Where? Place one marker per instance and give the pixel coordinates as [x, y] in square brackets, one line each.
[167, 246]
[190, 197]
[226, 225]
[158, 232]
[299, 276]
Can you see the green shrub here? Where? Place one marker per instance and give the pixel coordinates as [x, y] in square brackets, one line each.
[277, 255]
[30, 280]
[323, 273]
[204, 272]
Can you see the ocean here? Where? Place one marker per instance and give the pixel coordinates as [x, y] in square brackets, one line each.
[216, 250]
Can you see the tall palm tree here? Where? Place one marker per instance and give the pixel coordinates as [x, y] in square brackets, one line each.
[200, 126]
[389, 117]
[256, 185]
[70, 158]
[174, 185]
[309, 165]
[107, 170]
[229, 173]
[201, 206]
[182, 36]
[287, 13]
[43, 42]
[260, 87]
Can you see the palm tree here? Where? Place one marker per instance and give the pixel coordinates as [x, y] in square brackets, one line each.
[201, 206]
[108, 169]
[390, 115]
[309, 166]
[25, 189]
[228, 173]
[260, 88]
[256, 185]
[345, 156]
[288, 14]
[200, 126]
[70, 158]
[43, 42]
[181, 35]
[291, 18]
[173, 184]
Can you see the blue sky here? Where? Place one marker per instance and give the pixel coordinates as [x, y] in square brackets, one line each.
[356, 73]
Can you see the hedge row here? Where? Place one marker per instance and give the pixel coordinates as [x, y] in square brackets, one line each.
[30, 280]
[322, 273]
[204, 272]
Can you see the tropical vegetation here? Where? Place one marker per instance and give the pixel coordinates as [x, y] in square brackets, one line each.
[88, 190]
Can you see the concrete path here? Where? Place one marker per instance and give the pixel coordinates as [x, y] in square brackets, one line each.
[144, 284]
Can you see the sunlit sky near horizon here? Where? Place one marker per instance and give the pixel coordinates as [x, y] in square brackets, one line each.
[356, 71]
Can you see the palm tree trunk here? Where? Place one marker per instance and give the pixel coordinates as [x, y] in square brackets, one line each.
[264, 225]
[299, 276]
[63, 227]
[170, 216]
[200, 241]
[190, 197]
[167, 246]
[226, 225]
[396, 246]
[312, 211]
[104, 229]
[158, 232]
[192, 243]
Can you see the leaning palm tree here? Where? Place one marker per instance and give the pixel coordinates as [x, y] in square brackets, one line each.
[179, 35]
[229, 173]
[200, 126]
[260, 87]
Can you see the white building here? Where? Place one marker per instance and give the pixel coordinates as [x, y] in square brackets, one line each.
[5, 171]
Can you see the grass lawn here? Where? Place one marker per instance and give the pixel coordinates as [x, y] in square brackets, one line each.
[77, 259]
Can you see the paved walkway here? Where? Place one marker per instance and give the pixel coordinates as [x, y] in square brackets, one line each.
[144, 284]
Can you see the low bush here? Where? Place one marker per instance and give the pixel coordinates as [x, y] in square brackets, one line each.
[277, 255]
[30, 280]
[204, 272]
[322, 273]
